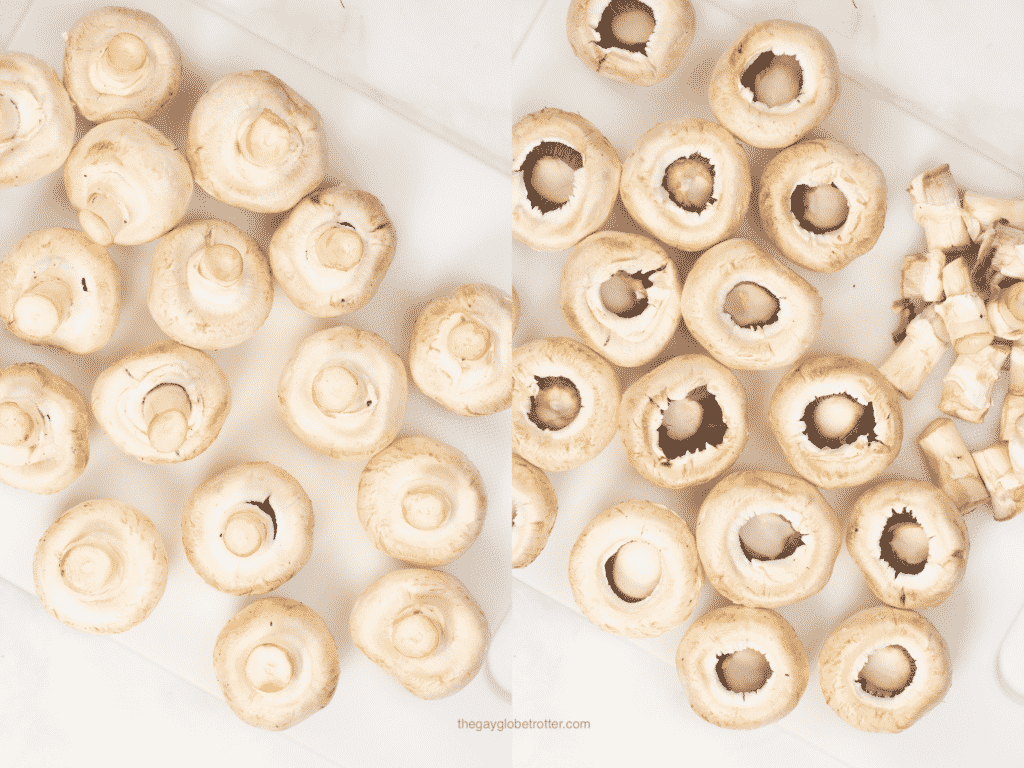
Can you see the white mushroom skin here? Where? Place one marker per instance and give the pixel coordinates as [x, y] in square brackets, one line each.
[534, 509]
[951, 465]
[937, 209]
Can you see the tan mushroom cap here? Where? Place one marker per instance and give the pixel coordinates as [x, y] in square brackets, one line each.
[823, 164]
[620, 293]
[343, 393]
[37, 121]
[101, 567]
[751, 119]
[722, 298]
[421, 501]
[164, 403]
[44, 429]
[255, 143]
[120, 62]
[642, 43]
[210, 285]
[728, 634]
[276, 662]
[58, 287]
[747, 576]
[460, 353]
[128, 183]
[534, 509]
[248, 529]
[715, 418]
[687, 183]
[553, 225]
[845, 653]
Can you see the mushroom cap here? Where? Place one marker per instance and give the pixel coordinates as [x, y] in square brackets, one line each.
[291, 632]
[99, 91]
[430, 600]
[727, 631]
[753, 121]
[193, 307]
[46, 120]
[711, 450]
[776, 344]
[118, 399]
[466, 380]
[248, 529]
[101, 567]
[846, 651]
[948, 543]
[56, 450]
[134, 165]
[661, 54]
[631, 338]
[681, 576]
[367, 422]
[820, 162]
[595, 185]
[217, 146]
[597, 386]
[852, 463]
[92, 280]
[647, 199]
[421, 501]
[534, 508]
[757, 582]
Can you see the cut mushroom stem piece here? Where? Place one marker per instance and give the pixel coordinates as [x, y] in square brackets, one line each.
[221, 264]
[339, 247]
[635, 570]
[102, 218]
[779, 82]
[125, 54]
[469, 340]
[988, 210]
[689, 182]
[41, 310]
[824, 207]
[415, 634]
[268, 139]
[166, 410]
[951, 464]
[269, 668]
[16, 425]
[750, 305]
[10, 119]
[937, 209]
[335, 389]
[887, 671]
[917, 355]
[1001, 480]
[744, 671]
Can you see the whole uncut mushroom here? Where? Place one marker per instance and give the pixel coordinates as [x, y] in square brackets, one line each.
[534, 509]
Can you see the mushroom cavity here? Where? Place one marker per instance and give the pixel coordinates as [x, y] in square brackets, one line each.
[743, 671]
[550, 170]
[819, 209]
[751, 305]
[691, 424]
[774, 79]
[839, 419]
[556, 404]
[769, 536]
[634, 570]
[887, 672]
[689, 182]
[626, 24]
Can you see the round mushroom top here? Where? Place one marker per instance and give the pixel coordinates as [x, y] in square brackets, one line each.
[344, 392]
[101, 567]
[164, 403]
[423, 628]
[128, 183]
[534, 509]
[460, 353]
[37, 121]
[44, 429]
[120, 62]
[58, 287]
[255, 143]
[276, 662]
[210, 285]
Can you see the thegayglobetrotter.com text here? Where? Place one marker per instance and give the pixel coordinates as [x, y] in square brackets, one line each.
[501, 725]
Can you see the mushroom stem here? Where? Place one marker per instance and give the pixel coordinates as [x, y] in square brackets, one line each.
[102, 218]
[268, 139]
[921, 276]
[425, 509]
[951, 464]
[989, 210]
[910, 543]
[836, 415]
[1001, 480]
[637, 569]
[415, 635]
[125, 54]
[469, 340]
[89, 566]
[825, 207]
[682, 418]
[779, 82]
[16, 424]
[39, 312]
[689, 182]
[1007, 245]
[967, 387]
[917, 355]
[166, 409]
[633, 26]
[888, 670]
[748, 304]
[335, 389]
[339, 247]
[269, 668]
[221, 264]
[937, 209]
[245, 532]
[10, 119]
[744, 671]
[553, 179]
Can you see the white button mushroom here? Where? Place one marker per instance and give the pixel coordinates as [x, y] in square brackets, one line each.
[534, 509]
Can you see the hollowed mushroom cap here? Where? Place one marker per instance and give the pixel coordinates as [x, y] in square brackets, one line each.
[534, 508]
[120, 62]
[595, 183]
[421, 501]
[637, 334]
[343, 393]
[662, 534]
[128, 183]
[876, 437]
[276, 662]
[423, 628]
[189, 380]
[37, 121]
[701, 223]
[869, 537]
[645, 63]
[460, 353]
[58, 287]
[747, 577]
[846, 651]
[255, 143]
[44, 429]
[582, 378]
[210, 285]
[753, 121]
[817, 163]
[101, 567]
[777, 343]
[714, 638]
[248, 529]
[707, 452]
